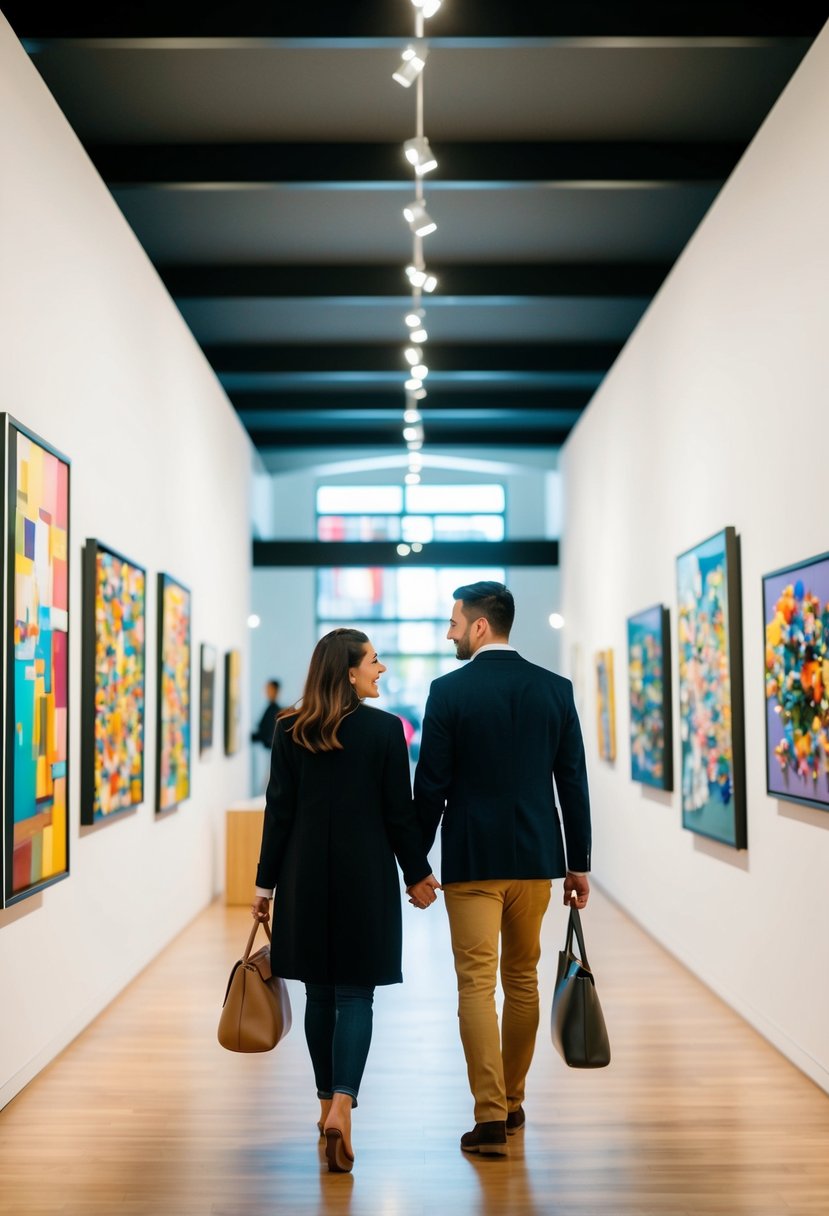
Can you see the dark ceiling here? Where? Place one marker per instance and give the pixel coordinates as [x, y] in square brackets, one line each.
[256, 153]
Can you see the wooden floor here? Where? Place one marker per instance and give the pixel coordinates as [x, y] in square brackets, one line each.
[146, 1114]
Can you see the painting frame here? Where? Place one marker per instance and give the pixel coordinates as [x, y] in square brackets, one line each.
[710, 688]
[233, 701]
[651, 707]
[208, 659]
[605, 704]
[785, 637]
[173, 694]
[36, 575]
[107, 633]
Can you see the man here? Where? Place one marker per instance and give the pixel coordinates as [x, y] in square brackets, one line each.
[267, 723]
[495, 733]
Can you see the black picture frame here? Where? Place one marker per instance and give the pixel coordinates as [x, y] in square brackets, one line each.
[35, 837]
[105, 695]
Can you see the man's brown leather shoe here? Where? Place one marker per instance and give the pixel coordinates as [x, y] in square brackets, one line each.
[489, 1139]
[515, 1121]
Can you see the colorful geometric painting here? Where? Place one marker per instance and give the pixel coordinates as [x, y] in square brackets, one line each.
[649, 684]
[796, 617]
[233, 700]
[35, 751]
[709, 632]
[112, 747]
[207, 697]
[173, 673]
[605, 705]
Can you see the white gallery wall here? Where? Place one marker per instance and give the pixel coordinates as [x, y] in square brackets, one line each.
[716, 414]
[95, 358]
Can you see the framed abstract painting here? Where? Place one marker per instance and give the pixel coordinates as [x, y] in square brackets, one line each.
[35, 574]
[207, 698]
[113, 685]
[649, 688]
[709, 636]
[233, 701]
[796, 618]
[605, 705]
[173, 676]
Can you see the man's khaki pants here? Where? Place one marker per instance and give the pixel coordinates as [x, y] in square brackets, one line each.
[480, 913]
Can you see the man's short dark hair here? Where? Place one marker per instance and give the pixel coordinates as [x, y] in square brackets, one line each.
[490, 600]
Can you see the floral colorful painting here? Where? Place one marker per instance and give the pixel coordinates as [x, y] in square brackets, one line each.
[112, 719]
[605, 705]
[649, 685]
[35, 773]
[173, 718]
[709, 637]
[796, 617]
[207, 698]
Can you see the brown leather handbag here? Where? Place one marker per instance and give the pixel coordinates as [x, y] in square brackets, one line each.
[256, 1012]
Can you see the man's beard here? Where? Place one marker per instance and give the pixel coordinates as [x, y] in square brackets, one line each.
[462, 648]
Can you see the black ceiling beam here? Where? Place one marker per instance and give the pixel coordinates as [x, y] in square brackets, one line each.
[503, 436]
[605, 279]
[388, 357]
[165, 164]
[374, 18]
[296, 401]
[384, 553]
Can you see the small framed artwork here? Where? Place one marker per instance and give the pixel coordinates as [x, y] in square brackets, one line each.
[35, 607]
[173, 676]
[649, 688]
[709, 637]
[207, 698]
[796, 618]
[233, 701]
[113, 685]
[605, 705]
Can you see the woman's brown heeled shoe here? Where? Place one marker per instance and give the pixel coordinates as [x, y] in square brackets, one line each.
[339, 1161]
[321, 1126]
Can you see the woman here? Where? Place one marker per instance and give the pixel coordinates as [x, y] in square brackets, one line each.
[338, 810]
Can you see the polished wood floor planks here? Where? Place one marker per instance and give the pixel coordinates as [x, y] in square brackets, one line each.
[145, 1115]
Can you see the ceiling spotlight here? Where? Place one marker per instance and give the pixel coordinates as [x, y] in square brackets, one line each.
[412, 416]
[556, 620]
[412, 64]
[419, 154]
[412, 432]
[419, 393]
[254, 621]
[419, 335]
[415, 318]
[416, 276]
[413, 355]
[413, 385]
[429, 283]
[412, 479]
[417, 547]
[414, 445]
[403, 550]
[428, 7]
[418, 218]
[420, 371]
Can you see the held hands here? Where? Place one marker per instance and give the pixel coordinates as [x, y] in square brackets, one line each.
[422, 893]
[576, 891]
[261, 908]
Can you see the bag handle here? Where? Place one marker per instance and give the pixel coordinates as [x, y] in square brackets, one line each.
[249, 946]
[574, 926]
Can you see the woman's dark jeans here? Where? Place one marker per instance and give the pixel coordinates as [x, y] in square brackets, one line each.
[338, 1022]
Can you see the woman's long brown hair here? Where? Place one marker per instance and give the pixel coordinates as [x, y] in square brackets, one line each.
[328, 696]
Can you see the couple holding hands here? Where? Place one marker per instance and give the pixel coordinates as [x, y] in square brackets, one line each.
[339, 810]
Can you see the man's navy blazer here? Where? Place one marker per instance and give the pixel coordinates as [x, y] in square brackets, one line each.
[495, 733]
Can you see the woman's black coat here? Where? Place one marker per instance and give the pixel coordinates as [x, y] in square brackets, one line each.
[334, 822]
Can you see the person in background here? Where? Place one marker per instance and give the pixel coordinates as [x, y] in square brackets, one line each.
[267, 723]
[338, 811]
[494, 735]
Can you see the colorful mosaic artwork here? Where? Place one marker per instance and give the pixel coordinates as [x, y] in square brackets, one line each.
[796, 618]
[649, 685]
[173, 744]
[710, 690]
[36, 850]
[112, 764]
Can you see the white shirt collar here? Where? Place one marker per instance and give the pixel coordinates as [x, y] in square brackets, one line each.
[493, 646]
